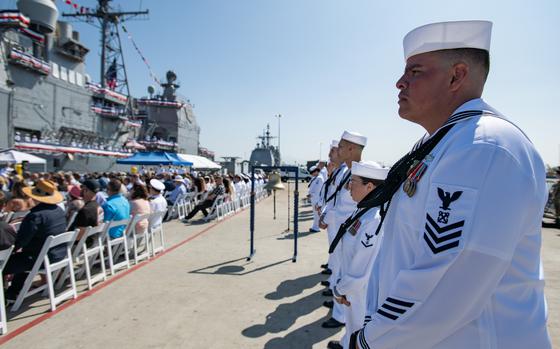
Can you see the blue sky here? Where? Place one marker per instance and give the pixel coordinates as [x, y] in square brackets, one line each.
[330, 65]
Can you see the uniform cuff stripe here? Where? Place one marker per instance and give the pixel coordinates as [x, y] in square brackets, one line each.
[362, 340]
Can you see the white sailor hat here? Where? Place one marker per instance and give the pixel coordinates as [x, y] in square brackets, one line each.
[369, 169]
[157, 185]
[313, 168]
[354, 137]
[334, 144]
[178, 178]
[447, 35]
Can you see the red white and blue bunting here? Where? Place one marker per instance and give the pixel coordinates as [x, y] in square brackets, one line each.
[28, 61]
[13, 18]
[33, 34]
[159, 103]
[67, 149]
[96, 88]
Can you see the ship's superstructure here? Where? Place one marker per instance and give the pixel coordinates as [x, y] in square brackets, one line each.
[49, 104]
[265, 154]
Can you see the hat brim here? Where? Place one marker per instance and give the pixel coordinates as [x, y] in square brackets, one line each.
[54, 199]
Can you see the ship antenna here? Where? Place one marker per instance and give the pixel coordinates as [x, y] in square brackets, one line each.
[113, 70]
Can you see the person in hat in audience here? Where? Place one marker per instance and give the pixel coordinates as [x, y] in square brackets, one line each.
[116, 208]
[349, 151]
[91, 213]
[157, 201]
[315, 186]
[359, 244]
[180, 190]
[46, 218]
[460, 263]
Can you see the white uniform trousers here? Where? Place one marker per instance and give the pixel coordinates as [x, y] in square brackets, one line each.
[316, 216]
[334, 266]
[354, 316]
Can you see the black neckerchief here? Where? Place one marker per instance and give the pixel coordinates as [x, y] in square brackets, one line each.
[397, 175]
[339, 187]
[399, 172]
[328, 182]
[311, 181]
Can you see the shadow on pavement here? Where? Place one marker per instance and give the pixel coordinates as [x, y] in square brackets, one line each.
[285, 316]
[294, 287]
[234, 268]
[300, 235]
[302, 338]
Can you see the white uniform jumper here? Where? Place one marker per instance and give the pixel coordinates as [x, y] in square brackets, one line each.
[314, 195]
[460, 264]
[358, 247]
[330, 219]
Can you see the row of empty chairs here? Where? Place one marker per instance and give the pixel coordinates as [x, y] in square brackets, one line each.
[95, 247]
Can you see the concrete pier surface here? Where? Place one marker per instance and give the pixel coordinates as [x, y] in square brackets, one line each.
[203, 293]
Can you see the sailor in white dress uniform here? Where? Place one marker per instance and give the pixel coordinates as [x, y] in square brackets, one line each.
[350, 149]
[359, 245]
[460, 263]
[327, 221]
[314, 195]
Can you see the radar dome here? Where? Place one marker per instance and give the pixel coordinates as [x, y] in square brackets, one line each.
[42, 14]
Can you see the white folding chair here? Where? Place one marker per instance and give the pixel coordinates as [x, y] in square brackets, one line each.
[117, 246]
[180, 208]
[71, 219]
[4, 256]
[156, 227]
[51, 270]
[188, 204]
[89, 256]
[135, 237]
[215, 210]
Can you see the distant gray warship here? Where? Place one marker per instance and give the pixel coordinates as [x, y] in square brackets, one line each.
[50, 105]
[265, 154]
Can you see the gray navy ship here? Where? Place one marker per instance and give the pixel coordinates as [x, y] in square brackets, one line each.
[50, 106]
[264, 153]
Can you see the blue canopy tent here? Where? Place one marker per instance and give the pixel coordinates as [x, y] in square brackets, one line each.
[154, 158]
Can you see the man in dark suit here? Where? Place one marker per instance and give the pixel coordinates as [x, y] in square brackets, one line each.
[44, 219]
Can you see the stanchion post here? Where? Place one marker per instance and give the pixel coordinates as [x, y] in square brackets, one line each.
[296, 205]
[252, 220]
[287, 230]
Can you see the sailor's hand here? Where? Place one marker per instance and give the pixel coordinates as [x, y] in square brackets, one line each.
[322, 225]
[338, 299]
[342, 300]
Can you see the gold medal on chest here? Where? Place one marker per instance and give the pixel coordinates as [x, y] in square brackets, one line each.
[409, 187]
[415, 173]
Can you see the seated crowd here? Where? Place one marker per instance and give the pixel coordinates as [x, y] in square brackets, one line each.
[53, 203]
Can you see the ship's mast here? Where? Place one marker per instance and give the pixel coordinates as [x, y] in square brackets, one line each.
[266, 137]
[113, 70]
